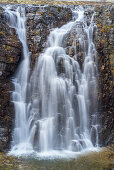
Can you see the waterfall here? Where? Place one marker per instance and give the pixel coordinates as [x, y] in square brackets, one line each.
[17, 20]
[55, 107]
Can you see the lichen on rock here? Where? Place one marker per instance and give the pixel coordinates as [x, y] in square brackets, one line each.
[10, 55]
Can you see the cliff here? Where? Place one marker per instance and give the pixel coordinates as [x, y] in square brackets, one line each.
[105, 49]
[40, 21]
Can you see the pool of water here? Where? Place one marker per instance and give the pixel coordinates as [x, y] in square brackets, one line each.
[96, 160]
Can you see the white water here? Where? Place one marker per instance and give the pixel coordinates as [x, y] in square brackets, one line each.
[16, 19]
[52, 108]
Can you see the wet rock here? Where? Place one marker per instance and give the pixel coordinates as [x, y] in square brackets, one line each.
[10, 48]
[103, 39]
[40, 21]
[10, 54]
[104, 44]
[74, 47]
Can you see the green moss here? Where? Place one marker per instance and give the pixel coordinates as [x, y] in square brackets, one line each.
[3, 46]
[6, 47]
[1, 32]
[106, 28]
[99, 25]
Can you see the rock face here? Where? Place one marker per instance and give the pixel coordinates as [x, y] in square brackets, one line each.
[40, 21]
[10, 53]
[105, 49]
[10, 48]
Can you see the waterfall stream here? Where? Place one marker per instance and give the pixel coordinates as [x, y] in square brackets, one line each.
[55, 107]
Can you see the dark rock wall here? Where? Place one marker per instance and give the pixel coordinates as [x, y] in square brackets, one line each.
[104, 17]
[10, 53]
[40, 21]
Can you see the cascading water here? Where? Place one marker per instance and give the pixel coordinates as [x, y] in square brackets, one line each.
[16, 19]
[55, 116]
